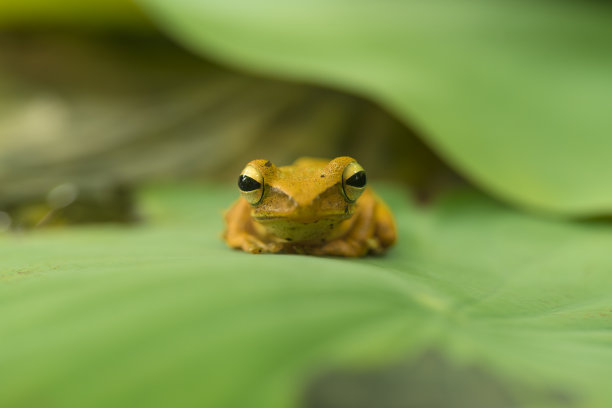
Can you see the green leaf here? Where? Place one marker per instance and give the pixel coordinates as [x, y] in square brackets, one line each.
[180, 111]
[163, 314]
[94, 14]
[514, 94]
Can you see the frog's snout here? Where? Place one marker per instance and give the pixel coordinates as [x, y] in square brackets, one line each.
[277, 204]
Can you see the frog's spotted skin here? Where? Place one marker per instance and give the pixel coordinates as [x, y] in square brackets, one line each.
[306, 208]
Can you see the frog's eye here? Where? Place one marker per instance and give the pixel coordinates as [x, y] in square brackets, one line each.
[250, 183]
[353, 181]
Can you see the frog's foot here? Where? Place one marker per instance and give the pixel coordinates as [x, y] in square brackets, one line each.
[340, 247]
[347, 247]
[253, 244]
[242, 234]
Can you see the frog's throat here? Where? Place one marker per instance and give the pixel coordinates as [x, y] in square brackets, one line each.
[317, 230]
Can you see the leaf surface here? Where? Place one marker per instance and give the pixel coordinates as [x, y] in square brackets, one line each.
[164, 314]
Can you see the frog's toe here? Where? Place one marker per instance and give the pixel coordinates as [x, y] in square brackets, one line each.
[252, 245]
[256, 246]
[347, 247]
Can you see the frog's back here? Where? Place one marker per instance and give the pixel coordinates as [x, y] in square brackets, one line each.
[310, 162]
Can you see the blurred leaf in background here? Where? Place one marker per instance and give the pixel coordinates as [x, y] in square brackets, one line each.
[516, 95]
[107, 110]
[91, 15]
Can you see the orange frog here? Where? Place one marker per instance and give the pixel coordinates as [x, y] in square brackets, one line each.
[314, 206]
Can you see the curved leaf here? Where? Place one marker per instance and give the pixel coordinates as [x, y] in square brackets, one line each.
[515, 94]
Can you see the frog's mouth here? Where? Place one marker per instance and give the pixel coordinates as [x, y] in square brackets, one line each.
[292, 229]
[306, 221]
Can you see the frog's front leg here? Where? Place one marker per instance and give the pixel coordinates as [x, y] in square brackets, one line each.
[371, 230]
[242, 233]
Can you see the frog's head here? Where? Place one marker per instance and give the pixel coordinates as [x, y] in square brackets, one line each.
[305, 201]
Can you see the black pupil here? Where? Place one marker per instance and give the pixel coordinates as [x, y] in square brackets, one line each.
[357, 180]
[246, 183]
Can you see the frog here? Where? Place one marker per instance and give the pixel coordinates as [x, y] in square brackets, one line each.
[314, 206]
